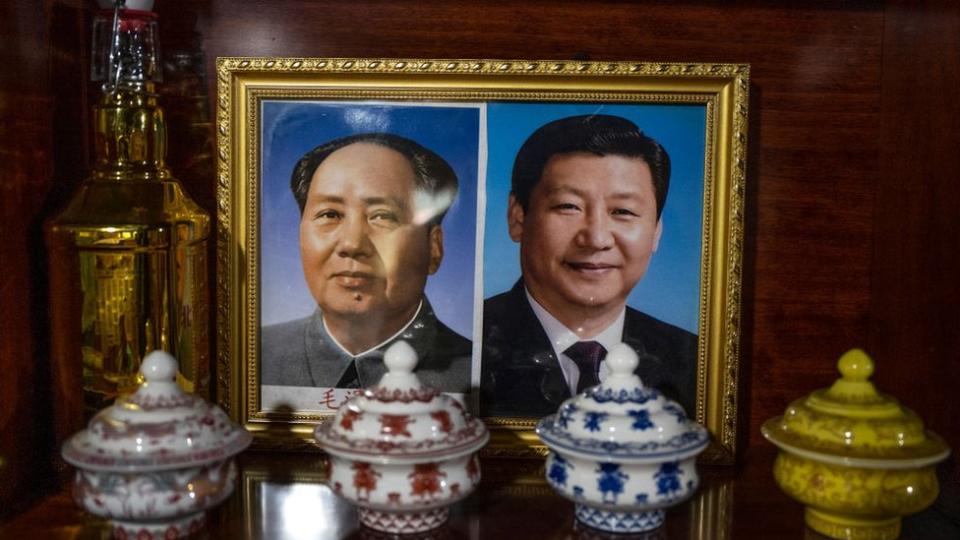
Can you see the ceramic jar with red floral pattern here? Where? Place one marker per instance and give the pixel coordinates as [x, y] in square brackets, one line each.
[402, 452]
[156, 460]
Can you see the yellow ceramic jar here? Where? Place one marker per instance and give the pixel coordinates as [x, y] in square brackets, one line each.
[856, 458]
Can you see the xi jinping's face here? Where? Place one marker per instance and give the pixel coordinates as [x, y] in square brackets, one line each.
[588, 233]
[364, 254]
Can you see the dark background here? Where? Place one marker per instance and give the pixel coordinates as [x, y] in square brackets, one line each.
[853, 184]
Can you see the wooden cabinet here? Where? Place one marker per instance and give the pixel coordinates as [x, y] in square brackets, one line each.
[852, 230]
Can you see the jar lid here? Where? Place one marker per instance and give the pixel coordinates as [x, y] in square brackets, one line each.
[621, 418]
[401, 420]
[851, 423]
[158, 427]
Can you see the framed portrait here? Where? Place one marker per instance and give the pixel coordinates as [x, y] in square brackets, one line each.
[511, 220]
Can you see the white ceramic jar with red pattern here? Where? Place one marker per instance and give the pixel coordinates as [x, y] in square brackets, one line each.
[156, 460]
[402, 452]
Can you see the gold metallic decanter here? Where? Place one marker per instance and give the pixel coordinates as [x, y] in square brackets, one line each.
[128, 254]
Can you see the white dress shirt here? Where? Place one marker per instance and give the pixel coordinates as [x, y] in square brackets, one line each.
[561, 338]
[382, 343]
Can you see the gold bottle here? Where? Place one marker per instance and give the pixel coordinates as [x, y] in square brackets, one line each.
[128, 254]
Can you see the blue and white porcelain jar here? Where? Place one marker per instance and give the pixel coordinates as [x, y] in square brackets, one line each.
[622, 452]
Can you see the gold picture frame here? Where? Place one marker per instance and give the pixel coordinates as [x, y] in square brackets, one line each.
[504, 91]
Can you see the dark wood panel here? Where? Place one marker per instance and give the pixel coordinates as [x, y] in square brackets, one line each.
[42, 148]
[915, 291]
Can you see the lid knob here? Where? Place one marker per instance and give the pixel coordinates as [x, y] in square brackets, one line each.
[855, 365]
[855, 368]
[622, 360]
[159, 366]
[400, 359]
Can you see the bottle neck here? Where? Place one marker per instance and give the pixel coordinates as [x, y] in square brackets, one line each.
[130, 135]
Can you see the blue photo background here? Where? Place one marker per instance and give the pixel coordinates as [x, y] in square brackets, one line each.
[291, 128]
[670, 290]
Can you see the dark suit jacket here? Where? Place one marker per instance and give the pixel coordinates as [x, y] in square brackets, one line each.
[521, 376]
[302, 353]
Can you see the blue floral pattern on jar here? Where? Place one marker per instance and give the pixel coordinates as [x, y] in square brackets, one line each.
[558, 470]
[641, 419]
[566, 414]
[607, 395]
[610, 481]
[668, 479]
[676, 411]
[592, 420]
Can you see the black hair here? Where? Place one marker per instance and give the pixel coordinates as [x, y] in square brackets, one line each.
[598, 134]
[432, 174]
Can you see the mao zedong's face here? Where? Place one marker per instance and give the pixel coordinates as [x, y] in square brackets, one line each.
[588, 234]
[365, 258]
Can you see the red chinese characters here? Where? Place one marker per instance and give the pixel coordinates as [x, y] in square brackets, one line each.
[332, 402]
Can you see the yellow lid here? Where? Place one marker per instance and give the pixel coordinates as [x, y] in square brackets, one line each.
[851, 419]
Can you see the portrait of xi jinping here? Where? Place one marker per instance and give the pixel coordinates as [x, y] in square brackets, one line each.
[587, 194]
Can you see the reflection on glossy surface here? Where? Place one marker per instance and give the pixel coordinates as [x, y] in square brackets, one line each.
[444, 532]
[582, 532]
[282, 497]
[300, 511]
[711, 511]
